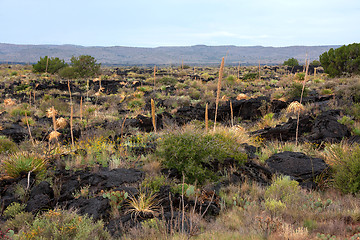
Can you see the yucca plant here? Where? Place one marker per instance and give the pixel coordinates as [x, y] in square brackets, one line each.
[21, 163]
[145, 204]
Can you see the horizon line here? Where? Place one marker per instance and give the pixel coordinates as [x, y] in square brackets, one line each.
[196, 45]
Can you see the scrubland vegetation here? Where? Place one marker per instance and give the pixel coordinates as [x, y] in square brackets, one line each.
[134, 153]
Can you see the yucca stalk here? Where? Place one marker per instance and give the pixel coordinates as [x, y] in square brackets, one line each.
[206, 117]
[71, 116]
[259, 69]
[238, 72]
[28, 126]
[51, 113]
[154, 76]
[81, 101]
[219, 89]
[153, 114]
[231, 114]
[301, 97]
[30, 98]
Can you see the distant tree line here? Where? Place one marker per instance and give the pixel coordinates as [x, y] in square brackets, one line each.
[80, 67]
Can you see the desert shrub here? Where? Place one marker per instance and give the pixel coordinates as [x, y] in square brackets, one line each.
[92, 151]
[154, 183]
[136, 104]
[283, 189]
[67, 72]
[16, 223]
[85, 66]
[346, 120]
[291, 62]
[300, 76]
[7, 146]
[345, 162]
[53, 65]
[230, 80]
[194, 93]
[326, 91]
[20, 111]
[59, 104]
[167, 81]
[354, 111]
[13, 209]
[250, 76]
[63, 224]
[193, 151]
[296, 89]
[345, 59]
[22, 88]
[23, 162]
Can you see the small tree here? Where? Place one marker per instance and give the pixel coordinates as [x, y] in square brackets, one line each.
[315, 63]
[345, 59]
[291, 62]
[85, 66]
[50, 65]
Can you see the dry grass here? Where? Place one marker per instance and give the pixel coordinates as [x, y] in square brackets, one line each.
[295, 108]
[9, 102]
[61, 123]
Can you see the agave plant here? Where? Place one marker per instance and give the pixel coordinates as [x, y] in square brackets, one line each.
[144, 204]
[21, 163]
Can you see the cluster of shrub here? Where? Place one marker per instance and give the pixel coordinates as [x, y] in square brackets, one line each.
[336, 62]
[82, 66]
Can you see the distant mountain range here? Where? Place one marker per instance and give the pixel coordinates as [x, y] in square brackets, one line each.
[192, 55]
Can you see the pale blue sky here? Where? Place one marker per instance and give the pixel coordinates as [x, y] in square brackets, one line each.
[145, 23]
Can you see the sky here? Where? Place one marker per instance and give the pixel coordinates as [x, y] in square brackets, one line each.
[146, 23]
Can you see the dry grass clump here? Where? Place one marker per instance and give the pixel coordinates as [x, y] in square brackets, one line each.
[295, 108]
[53, 136]
[21, 163]
[144, 204]
[9, 102]
[292, 233]
[51, 112]
[241, 96]
[61, 123]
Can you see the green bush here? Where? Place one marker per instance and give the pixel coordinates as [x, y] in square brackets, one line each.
[7, 146]
[82, 66]
[354, 111]
[345, 59]
[291, 62]
[53, 65]
[62, 224]
[13, 209]
[167, 81]
[345, 161]
[154, 183]
[283, 189]
[296, 89]
[250, 76]
[85, 66]
[193, 151]
[300, 76]
[67, 72]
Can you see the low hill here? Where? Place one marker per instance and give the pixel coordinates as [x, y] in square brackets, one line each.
[192, 55]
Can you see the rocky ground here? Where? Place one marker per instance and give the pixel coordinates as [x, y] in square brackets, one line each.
[115, 149]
